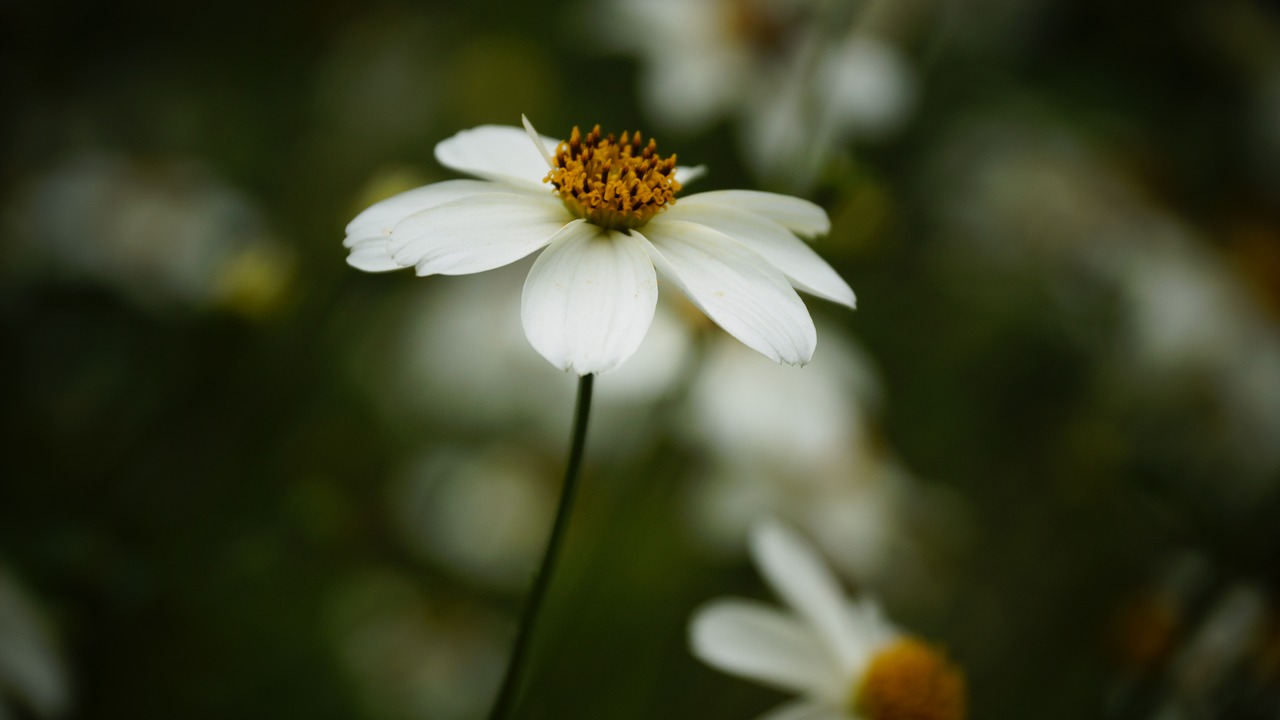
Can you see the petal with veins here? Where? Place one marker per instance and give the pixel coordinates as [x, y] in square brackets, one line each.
[372, 255]
[735, 287]
[476, 233]
[379, 218]
[805, 269]
[497, 152]
[799, 216]
[589, 298]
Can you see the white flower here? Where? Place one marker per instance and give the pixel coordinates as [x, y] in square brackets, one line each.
[165, 234]
[609, 223]
[1188, 334]
[823, 97]
[800, 78]
[844, 659]
[791, 422]
[803, 446]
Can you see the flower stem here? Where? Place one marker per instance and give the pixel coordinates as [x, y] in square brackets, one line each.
[529, 617]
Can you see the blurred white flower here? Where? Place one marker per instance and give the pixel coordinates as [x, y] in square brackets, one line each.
[1184, 307]
[800, 78]
[801, 445]
[1189, 323]
[1038, 199]
[484, 514]
[869, 86]
[815, 103]
[844, 659]
[589, 298]
[164, 234]
[456, 356]
[1028, 191]
[793, 421]
[32, 673]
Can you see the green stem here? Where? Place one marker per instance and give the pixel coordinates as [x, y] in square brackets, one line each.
[507, 694]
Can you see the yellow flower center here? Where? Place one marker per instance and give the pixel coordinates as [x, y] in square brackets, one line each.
[910, 680]
[614, 183]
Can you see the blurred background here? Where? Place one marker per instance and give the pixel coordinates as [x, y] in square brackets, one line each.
[239, 478]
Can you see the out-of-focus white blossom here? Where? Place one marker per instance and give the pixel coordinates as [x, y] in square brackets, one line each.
[484, 514]
[163, 233]
[801, 78]
[784, 421]
[1192, 333]
[843, 658]
[801, 446]
[1037, 198]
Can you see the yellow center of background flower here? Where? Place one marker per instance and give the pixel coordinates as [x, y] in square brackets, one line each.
[614, 183]
[910, 680]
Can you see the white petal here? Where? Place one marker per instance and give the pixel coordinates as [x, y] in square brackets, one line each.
[686, 174]
[798, 575]
[589, 299]
[804, 710]
[874, 630]
[476, 233]
[736, 288]
[380, 217]
[538, 144]
[799, 216]
[496, 152]
[763, 644]
[372, 255]
[805, 269]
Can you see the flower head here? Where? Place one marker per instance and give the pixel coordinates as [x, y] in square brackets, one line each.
[844, 659]
[799, 79]
[603, 210]
[613, 183]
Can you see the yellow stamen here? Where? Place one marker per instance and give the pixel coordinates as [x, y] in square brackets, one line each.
[614, 183]
[910, 680]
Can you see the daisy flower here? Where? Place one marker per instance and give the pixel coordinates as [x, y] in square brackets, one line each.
[603, 210]
[799, 79]
[166, 234]
[844, 659]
